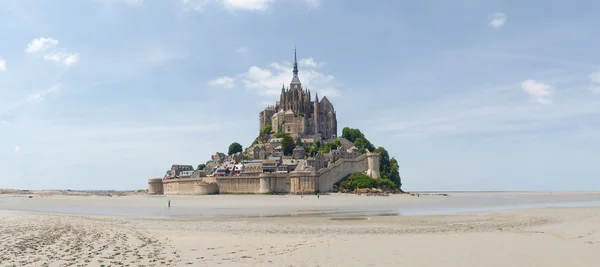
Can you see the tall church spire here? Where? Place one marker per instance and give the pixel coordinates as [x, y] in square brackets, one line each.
[295, 79]
[295, 63]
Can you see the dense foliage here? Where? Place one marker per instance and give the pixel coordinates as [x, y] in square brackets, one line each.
[287, 144]
[201, 166]
[235, 147]
[388, 168]
[359, 180]
[358, 138]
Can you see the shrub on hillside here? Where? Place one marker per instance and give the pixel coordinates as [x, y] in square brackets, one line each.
[359, 180]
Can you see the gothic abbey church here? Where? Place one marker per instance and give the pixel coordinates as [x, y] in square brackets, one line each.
[297, 115]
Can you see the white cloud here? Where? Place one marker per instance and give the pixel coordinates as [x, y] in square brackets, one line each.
[17, 149]
[255, 5]
[498, 20]
[594, 77]
[37, 45]
[313, 3]
[62, 57]
[251, 5]
[42, 44]
[37, 97]
[267, 81]
[225, 82]
[482, 110]
[134, 2]
[538, 91]
[310, 63]
[2, 65]
[195, 5]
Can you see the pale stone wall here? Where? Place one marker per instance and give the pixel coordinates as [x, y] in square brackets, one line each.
[155, 186]
[302, 182]
[295, 182]
[189, 186]
[337, 171]
[238, 184]
[274, 183]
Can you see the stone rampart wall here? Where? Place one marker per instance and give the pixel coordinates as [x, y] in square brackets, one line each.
[155, 186]
[265, 183]
[189, 186]
[238, 184]
[333, 173]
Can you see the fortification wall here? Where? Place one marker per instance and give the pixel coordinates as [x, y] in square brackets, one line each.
[274, 183]
[333, 173]
[189, 186]
[238, 184]
[155, 186]
[265, 183]
[302, 182]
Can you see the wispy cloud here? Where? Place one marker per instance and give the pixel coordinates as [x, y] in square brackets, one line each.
[268, 81]
[225, 82]
[313, 3]
[248, 5]
[39, 96]
[486, 110]
[242, 49]
[538, 91]
[32, 98]
[498, 20]
[3, 65]
[62, 57]
[40, 44]
[594, 77]
[195, 5]
[56, 55]
[135, 2]
[17, 149]
[255, 5]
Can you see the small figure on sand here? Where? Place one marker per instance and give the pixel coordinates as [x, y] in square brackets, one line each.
[169, 203]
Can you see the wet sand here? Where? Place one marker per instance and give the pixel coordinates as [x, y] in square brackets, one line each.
[525, 237]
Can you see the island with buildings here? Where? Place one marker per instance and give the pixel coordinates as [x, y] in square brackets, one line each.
[297, 151]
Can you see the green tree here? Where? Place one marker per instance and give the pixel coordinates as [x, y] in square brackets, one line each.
[394, 174]
[201, 166]
[287, 144]
[359, 180]
[266, 130]
[235, 147]
[384, 161]
[298, 141]
[281, 135]
[352, 134]
[264, 134]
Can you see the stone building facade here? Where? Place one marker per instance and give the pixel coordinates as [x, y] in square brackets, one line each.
[299, 115]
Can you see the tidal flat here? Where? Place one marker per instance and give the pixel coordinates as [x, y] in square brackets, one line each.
[461, 229]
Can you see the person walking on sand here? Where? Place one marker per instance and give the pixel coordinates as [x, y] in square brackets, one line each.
[169, 203]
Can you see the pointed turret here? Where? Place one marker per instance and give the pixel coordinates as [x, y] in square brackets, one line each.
[295, 63]
[295, 79]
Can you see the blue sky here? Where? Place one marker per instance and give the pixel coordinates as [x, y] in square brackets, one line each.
[467, 95]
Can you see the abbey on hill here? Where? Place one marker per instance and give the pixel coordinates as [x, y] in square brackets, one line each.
[297, 151]
[297, 114]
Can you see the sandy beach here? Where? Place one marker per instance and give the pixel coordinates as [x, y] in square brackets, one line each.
[556, 236]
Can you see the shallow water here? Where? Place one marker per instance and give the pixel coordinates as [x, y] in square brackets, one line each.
[337, 205]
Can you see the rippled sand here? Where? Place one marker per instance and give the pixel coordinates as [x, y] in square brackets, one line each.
[526, 237]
